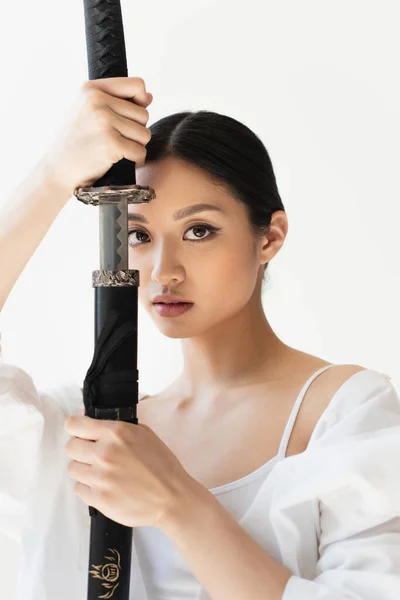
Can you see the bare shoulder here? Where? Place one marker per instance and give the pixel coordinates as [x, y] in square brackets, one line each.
[322, 390]
[303, 365]
[333, 378]
[327, 383]
[317, 398]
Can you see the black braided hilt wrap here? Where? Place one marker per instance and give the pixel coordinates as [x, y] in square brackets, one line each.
[106, 53]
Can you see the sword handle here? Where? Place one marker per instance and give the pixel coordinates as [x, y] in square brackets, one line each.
[106, 56]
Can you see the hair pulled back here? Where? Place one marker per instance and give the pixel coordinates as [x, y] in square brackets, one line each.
[229, 152]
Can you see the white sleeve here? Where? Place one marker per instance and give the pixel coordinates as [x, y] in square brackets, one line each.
[21, 429]
[357, 465]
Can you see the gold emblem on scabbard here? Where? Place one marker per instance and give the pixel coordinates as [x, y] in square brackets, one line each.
[109, 573]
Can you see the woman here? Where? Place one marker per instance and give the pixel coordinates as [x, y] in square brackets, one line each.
[262, 471]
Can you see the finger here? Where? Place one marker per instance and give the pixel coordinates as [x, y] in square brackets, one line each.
[81, 472]
[125, 108]
[81, 450]
[130, 129]
[86, 427]
[85, 493]
[122, 87]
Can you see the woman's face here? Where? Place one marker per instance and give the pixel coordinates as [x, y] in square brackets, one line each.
[210, 258]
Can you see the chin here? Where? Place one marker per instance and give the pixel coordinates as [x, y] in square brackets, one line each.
[170, 328]
[174, 335]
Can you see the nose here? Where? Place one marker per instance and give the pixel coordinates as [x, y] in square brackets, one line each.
[166, 265]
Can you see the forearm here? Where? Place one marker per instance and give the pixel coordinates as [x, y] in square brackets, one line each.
[223, 557]
[24, 221]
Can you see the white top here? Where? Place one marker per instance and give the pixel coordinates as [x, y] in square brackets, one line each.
[331, 514]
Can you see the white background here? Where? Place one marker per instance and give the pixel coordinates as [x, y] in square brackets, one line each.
[316, 80]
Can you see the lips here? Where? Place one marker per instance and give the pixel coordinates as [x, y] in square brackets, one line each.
[172, 302]
[171, 309]
[170, 299]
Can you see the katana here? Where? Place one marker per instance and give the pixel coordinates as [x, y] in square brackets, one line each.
[111, 385]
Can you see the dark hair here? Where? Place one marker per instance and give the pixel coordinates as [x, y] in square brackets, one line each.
[229, 152]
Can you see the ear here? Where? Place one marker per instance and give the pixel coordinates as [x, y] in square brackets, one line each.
[273, 241]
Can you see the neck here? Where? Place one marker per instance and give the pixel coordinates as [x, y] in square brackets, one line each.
[236, 351]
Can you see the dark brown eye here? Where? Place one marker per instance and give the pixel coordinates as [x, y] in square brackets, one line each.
[138, 232]
[212, 231]
[199, 228]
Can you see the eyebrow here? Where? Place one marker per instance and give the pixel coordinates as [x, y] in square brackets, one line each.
[179, 214]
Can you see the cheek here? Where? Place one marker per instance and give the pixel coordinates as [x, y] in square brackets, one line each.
[236, 260]
[141, 264]
[231, 275]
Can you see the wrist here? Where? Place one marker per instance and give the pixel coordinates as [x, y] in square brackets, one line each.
[62, 189]
[193, 502]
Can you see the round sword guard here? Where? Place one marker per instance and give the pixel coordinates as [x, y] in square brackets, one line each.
[113, 194]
